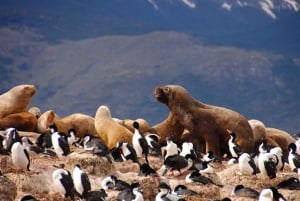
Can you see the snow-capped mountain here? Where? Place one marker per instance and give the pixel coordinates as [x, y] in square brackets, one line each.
[270, 7]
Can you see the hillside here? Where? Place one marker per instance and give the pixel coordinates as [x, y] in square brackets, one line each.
[122, 71]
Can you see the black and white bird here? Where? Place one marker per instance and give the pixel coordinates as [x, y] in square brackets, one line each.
[204, 167]
[267, 163]
[240, 190]
[44, 140]
[20, 156]
[293, 157]
[30, 147]
[170, 149]
[291, 183]
[139, 142]
[112, 182]
[279, 153]
[195, 177]
[177, 162]
[210, 157]
[247, 165]
[71, 136]
[182, 190]
[270, 194]
[165, 193]
[12, 136]
[146, 170]
[187, 148]
[81, 181]
[98, 147]
[28, 198]
[264, 147]
[60, 144]
[63, 183]
[131, 194]
[127, 151]
[154, 146]
[235, 149]
[99, 195]
[108, 182]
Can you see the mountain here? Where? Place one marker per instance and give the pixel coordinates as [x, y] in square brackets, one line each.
[84, 54]
[258, 24]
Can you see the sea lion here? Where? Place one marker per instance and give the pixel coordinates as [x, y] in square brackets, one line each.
[206, 122]
[35, 111]
[109, 130]
[169, 127]
[23, 121]
[15, 100]
[128, 123]
[82, 124]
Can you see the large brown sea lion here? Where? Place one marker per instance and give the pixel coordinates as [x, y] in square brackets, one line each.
[206, 122]
[128, 123]
[22, 121]
[82, 124]
[110, 131]
[15, 100]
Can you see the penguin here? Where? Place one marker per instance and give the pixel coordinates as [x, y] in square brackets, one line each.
[195, 177]
[12, 136]
[293, 157]
[270, 194]
[146, 170]
[182, 190]
[267, 163]
[247, 165]
[139, 142]
[128, 152]
[97, 147]
[131, 194]
[291, 183]
[154, 146]
[240, 190]
[177, 162]
[28, 198]
[99, 195]
[63, 183]
[20, 156]
[60, 144]
[81, 181]
[170, 149]
[165, 193]
[235, 149]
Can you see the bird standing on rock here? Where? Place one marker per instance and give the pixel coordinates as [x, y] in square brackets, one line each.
[63, 183]
[235, 149]
[293, 157]
[139, 142]
[247, 165]
[60, 144]
[81, 181]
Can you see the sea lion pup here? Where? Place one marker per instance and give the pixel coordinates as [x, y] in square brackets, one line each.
[128, 123]
[35, 111]
[206, 122]
[109, 130]
[82, 124]
[22, 121]
[15, 100]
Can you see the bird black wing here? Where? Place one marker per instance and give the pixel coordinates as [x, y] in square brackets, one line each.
[27, 156]
[63, 143]
[296, 160]
[270, 167]
[85, 182]
[68, 184]
[253, 166]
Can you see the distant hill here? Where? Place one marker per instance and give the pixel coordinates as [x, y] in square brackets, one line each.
[122, 71]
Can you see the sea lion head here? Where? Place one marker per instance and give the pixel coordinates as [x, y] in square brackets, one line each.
[162, 94]
[26, 89]
[103, 112]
